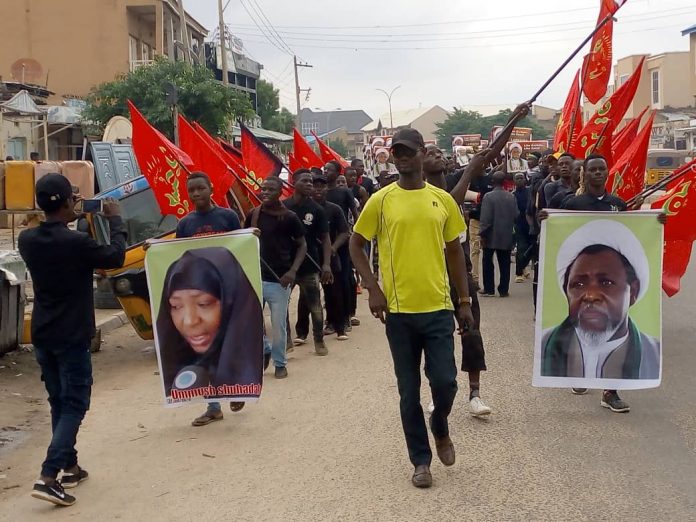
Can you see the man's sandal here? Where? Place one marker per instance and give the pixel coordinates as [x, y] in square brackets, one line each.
[237, 406]
[207, 418]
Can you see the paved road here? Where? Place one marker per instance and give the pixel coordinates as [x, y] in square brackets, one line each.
[326, 443]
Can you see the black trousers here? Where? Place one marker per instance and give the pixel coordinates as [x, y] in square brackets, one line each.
[338, 297]
[489, 271]
[410, 336]
[309, 304]
[473, 353]
[524, 243]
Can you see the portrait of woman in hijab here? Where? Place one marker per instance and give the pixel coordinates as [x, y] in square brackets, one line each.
[210, 323]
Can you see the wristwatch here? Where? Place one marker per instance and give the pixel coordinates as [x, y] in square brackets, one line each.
[465, 300]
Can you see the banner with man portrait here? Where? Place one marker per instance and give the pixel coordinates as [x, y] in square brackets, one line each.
[206, 302]
[599, 309]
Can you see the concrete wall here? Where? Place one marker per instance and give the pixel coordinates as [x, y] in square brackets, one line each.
[20, 129]
[426, 124]
[79, 43]
[675, 74]
[692, 67]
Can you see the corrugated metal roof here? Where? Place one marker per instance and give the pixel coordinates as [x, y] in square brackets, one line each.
[689, 30]
[263, 134]
[21, 103]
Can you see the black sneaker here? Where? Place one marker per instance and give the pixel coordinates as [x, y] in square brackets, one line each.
[612, 401]
[53, 493]
[266, 361]
[71, 480]
[281, 372]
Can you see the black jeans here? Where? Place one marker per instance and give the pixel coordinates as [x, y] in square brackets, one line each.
[67, 375]
[524, 253]
[489, 271]
[409, 336]
[309, 304]
[338, 299]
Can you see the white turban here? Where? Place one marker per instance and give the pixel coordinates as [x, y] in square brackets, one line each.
[377, 142]
[382, 151]
[515, 146]
[609, 233]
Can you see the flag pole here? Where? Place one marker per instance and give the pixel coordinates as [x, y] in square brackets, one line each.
[589, 37]
[583, 77]
[660, 184]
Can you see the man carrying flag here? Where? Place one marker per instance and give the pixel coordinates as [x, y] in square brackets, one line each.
[596, 199]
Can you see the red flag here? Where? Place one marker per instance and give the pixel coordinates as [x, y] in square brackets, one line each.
[207, 160]
[231, 150]
[328, 154]
[627, 175]
[304, 154]
[596, 68]
[623, 139]
[164, 165]
[258, 160]
[680, 206]
[571, 116]
[292, 163]
[245, 198]
[595, 136]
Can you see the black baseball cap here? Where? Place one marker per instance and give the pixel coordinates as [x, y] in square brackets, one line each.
[408, 137]
[52, 191]
[321, 178]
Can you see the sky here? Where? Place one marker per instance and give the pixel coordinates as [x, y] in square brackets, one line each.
[446, 52]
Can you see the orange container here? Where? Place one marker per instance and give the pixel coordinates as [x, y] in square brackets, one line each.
[2, 186]
[19, 185]
[81, 175]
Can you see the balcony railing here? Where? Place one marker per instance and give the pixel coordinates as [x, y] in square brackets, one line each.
[134, 64]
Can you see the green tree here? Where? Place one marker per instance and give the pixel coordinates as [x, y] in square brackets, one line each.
[268, 108]
[201, 97]
[471, 122]
[339, 146]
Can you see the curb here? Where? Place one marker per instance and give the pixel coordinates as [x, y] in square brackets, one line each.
[112, 322]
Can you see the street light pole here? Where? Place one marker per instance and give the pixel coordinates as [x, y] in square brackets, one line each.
[389, 97]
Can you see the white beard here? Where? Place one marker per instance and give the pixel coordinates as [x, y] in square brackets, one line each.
[593, 339]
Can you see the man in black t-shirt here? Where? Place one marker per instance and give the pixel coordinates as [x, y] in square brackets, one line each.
[207, 220]
[283, 248]
[317, 259]
[596, 199]
[363, 179]
[338, 294]
[341, 196]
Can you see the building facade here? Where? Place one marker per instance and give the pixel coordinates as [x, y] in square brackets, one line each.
[72, 46]
[423, 119]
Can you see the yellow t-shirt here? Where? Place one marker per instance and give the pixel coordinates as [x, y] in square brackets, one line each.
[412, 227]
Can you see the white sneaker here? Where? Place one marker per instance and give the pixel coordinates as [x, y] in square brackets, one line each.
[478, 408]
[431, 407]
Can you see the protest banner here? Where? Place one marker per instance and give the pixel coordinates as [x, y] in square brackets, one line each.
[599, 314]
[534, 146]
[205, 294]
[466, 140]
[518, 133]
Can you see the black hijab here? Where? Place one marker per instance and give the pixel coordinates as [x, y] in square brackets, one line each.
[235, 355]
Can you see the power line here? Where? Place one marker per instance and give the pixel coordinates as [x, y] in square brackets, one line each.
[476, 35]
[269, 25]
[450, 22]
[265, 34]
[488, 45]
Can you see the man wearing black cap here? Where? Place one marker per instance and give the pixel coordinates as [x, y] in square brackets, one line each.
[412, 220]
[61, 263]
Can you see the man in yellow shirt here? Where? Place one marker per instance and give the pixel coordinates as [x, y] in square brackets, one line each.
[417, 227]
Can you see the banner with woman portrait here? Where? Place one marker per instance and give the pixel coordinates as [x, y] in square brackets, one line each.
[599, 309]
[206, 301]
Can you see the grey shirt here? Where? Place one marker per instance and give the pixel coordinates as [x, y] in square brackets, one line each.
[498, 214]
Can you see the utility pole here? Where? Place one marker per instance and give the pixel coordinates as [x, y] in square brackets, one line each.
[298, 91]
[223, 47]
[184, 32]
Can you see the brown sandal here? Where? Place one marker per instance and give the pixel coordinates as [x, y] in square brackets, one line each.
[207, 418]
[237, 406]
